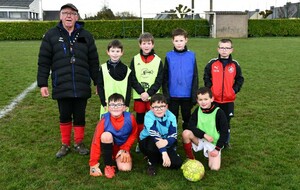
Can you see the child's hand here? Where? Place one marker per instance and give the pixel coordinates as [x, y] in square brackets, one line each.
[161, 143]
[214, 153]
[95, 171]
[208, 138]
[166, 159]
[124, 156]
[145, 96]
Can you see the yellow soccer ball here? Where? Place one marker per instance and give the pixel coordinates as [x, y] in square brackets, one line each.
[193, 170]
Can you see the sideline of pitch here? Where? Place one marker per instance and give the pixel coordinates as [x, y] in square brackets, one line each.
[17, 100]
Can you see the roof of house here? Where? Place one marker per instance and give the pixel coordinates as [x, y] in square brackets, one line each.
[15, 3]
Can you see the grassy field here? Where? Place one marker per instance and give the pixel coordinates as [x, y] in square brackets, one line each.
[265, 130]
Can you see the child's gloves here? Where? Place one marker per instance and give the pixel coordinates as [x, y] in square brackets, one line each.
[95, 170]
[124, 156]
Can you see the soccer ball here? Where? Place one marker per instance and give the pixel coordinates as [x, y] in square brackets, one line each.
[193, 170]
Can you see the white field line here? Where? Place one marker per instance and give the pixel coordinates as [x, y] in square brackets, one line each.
[17, 100]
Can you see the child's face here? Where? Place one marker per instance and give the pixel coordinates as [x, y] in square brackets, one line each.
[146, 47]
[179, 42]
[159, 109]
[115, 54]
[204, 100]
[116, 108]
[225, 49]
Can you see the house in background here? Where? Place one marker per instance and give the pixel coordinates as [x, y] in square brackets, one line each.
[21, 10]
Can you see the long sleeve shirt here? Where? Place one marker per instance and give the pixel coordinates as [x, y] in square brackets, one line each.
[164, 128]
[117, 124]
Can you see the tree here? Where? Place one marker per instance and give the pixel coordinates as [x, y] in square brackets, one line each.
[104, 14]
[182, 11]
[265, 13]
[125, 14]
[179, 12]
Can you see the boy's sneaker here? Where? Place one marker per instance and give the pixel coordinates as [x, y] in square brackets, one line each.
[64, 150]
[109, 171]
[137, 148]
[80, 148]
[151, 170]
[227, 146]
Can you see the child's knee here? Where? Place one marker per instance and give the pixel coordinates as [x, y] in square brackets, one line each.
[215, 168]
[125, 167]
[106, 137]
[186, 134]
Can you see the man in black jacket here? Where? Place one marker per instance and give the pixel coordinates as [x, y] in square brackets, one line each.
[69, 52]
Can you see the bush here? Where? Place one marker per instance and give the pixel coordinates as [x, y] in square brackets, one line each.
[106, 29]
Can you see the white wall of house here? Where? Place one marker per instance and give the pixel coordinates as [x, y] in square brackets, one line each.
[36, 7]
[33, 12]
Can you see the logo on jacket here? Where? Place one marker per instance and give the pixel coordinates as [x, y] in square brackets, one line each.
[61, 39]
[145, 85]
[216, 69]
[146, 73]
[230, 69]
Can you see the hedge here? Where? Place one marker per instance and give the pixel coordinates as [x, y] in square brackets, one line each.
[106, 29]
[109, 29]
[274, 27]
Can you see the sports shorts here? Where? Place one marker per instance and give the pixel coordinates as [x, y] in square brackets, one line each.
[205, 146]
[141, 107]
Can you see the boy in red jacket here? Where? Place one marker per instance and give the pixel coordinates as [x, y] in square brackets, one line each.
[113, 138]
[224, 76]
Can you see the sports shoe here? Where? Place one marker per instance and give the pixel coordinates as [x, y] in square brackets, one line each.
[80, 148]
[227, 146]
[64, 150]
[151, 170]
[109, 171]
[137, 148]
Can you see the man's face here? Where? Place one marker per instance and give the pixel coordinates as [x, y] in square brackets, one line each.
[159, 109]
[114, 54]
[68, 17]
[204, 100]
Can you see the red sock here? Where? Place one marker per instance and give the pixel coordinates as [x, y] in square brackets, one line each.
[188, 150]
[65, 131]
[78, 134]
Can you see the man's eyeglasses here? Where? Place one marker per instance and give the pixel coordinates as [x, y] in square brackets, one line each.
[69, 13]
[225, 48]
[158, 108]
[116, 105]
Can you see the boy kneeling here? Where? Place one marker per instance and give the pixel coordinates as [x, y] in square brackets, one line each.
[207, 131]
[114, 136]
[158, 139]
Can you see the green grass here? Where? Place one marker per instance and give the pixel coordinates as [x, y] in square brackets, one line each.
[265, 130]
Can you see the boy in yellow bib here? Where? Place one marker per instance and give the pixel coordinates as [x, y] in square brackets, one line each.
[147, 76]
[114, 76]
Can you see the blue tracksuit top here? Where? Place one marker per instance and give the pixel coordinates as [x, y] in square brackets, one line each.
[165, 128]
[181, 70]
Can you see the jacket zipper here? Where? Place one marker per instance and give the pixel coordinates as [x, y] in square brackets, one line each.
[223, 84]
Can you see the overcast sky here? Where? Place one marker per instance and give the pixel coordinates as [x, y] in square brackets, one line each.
[151, 7]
